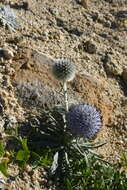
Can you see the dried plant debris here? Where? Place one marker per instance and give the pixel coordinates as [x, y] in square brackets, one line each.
[8, 18]
[37, 95]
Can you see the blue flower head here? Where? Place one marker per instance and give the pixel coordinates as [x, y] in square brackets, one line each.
[84, 120]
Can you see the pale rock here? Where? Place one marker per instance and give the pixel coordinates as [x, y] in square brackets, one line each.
[111, 65]
[2, 126]
[90, 47]
[6, 53]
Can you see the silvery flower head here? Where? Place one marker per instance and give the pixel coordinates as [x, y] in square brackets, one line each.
[84, 120]
[63, 69]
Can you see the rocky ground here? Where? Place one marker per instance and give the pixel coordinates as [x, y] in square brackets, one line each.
[94, 38]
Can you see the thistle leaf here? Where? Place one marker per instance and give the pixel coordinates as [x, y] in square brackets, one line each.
[55, 163]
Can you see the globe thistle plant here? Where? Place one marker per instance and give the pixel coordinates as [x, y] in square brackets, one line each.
[84, 120]
[78, 124]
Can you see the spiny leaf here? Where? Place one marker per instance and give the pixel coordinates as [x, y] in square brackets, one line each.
[24, 144]
[55, 163]
[23, 155]
[3, 166]
[68, 185]
[2, 151]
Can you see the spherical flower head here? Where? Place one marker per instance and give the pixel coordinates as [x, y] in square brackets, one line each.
[63, 69]
[83, 120]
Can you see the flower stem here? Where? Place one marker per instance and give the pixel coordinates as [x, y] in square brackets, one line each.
[65, 95]
[65, 104]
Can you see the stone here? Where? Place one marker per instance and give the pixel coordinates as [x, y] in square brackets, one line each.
[15, 39]
[6, 81]
[54, 11]
[111, 65]
[1, 125]
[25, 5]
[89, 47]
[84, 3]
[6, 53]
[9, 70]
[124, 101]
[124, 75]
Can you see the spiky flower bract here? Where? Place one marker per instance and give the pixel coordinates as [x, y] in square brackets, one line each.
[84, 120]
[63, 69]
